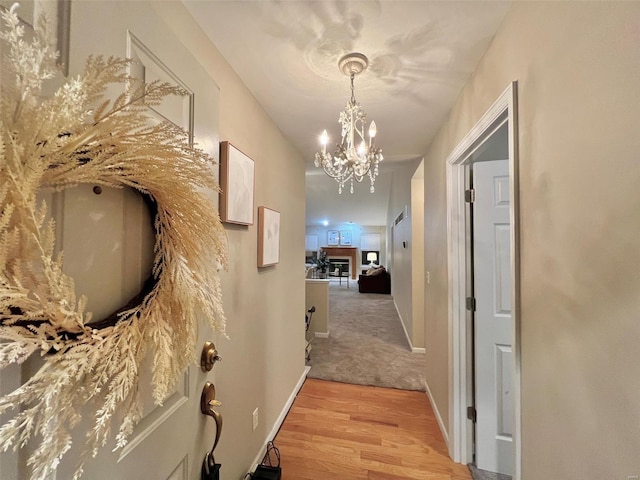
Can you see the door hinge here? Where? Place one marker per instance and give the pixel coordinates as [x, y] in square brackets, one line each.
[472, 414]
[470, 195]
[471, 304]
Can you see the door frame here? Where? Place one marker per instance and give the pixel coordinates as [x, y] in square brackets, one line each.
[460, 370]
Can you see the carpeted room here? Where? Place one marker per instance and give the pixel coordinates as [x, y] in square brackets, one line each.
[366, 343]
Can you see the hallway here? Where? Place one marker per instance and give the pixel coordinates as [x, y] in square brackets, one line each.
[366, 344]
[353, 432]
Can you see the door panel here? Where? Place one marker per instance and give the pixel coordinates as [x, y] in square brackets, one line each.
[108, 246]
[155, 415]
[182, 471]
[502, 290]
[493, 324]
[503, 387]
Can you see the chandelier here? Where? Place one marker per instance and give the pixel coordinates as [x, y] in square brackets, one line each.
[354, 157]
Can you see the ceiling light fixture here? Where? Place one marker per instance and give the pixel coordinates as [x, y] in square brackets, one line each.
[351, 162]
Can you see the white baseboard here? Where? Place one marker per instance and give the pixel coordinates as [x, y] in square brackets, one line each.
[322, 334]
[443, 430]
[406, 334]
[280, 420]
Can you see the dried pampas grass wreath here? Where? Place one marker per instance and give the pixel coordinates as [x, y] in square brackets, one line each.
[78, 136]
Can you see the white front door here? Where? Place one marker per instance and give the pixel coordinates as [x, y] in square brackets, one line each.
[493, 321]
[108, 245]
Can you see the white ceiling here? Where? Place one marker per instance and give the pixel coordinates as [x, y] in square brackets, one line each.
[421, 54]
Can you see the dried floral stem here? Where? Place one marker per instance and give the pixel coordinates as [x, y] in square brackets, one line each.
[78, 136]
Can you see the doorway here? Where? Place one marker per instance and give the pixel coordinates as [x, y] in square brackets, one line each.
[490, 307]
[496, 129]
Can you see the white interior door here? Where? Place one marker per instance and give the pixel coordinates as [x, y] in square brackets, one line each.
[493, 321]
[108, 245]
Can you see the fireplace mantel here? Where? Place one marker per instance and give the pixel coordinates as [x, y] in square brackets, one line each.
[351, 252]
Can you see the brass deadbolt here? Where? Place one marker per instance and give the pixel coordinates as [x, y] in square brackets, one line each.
[209, 356]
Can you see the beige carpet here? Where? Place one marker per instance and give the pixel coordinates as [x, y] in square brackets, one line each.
[366, 344]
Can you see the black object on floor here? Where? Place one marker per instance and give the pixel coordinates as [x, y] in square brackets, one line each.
[264, 472]
[270, 467]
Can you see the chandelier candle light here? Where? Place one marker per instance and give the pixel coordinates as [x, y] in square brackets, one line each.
[350, 162]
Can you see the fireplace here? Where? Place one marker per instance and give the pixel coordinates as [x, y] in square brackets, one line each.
[342, 264]
[342, 253]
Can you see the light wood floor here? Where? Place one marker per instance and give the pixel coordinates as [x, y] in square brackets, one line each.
[337, 431]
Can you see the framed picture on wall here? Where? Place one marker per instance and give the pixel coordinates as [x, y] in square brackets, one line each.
[268, 237]
[333, 237]
[237, 179]
[345, 237]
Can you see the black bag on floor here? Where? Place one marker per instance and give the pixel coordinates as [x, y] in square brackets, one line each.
[270, 467]
[265, 472]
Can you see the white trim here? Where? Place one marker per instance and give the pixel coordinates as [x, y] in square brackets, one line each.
[460, 430]
[434, 407]
[457, 356]
[514, 175]
[406, 334]
[280, 420]
[321, 335]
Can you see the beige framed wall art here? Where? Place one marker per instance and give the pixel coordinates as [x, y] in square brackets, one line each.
[268, 237]
[237, 178]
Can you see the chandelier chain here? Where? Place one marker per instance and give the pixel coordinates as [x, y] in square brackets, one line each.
[353, 93]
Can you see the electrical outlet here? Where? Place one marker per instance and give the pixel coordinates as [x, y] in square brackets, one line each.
[255, 419]
[428, 277]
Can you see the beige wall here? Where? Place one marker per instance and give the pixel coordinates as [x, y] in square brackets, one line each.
[400, 261]
[577, 67]
[263, 359]
[417, 258]
[317, 295]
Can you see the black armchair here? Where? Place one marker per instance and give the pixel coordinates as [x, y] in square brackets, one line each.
[380, 283]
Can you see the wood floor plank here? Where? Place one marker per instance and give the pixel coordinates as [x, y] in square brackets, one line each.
[381, 457]
[375, 475]
[353, 432]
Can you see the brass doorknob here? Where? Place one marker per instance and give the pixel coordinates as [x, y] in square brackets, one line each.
[208, 399]
[209, 356]
[207, 402]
